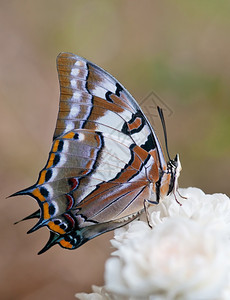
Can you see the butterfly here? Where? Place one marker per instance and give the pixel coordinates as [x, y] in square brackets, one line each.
[105, 162]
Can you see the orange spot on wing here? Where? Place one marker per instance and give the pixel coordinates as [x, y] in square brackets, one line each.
[50, 161]
[98, 140]
[55, 228]
[135, 124]
[55, 146]
[38, 195]
[88, 167]
[42, 177]
[46, 211]
[92, 153]
[65, 244]
[69, 135]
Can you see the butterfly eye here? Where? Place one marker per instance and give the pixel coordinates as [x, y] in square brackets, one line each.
[173, 163]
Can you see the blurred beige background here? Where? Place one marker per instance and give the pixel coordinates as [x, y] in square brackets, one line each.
[179, 49]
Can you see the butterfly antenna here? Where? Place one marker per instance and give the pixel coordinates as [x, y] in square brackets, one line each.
[160, 112]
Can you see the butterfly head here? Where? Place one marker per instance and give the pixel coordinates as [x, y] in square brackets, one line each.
[174, 168]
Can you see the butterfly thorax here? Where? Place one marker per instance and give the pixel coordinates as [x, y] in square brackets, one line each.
[168, 179]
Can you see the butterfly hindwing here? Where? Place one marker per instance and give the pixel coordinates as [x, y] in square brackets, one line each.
[103, 158]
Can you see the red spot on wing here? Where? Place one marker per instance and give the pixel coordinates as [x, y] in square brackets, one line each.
[70, 201]
[73, 183]
[70, 219]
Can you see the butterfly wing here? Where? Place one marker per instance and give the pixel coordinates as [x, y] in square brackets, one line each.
[103, 158]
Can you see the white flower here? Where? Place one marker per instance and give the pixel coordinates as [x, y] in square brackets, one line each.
[212, 211]
[184, 256]
[99, 293]
[176, 259]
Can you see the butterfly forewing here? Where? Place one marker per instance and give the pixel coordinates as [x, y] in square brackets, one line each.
[103, 158]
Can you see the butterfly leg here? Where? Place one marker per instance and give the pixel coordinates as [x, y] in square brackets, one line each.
[183, 197]
[174, 193]
[176, 198]
[146, 205]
